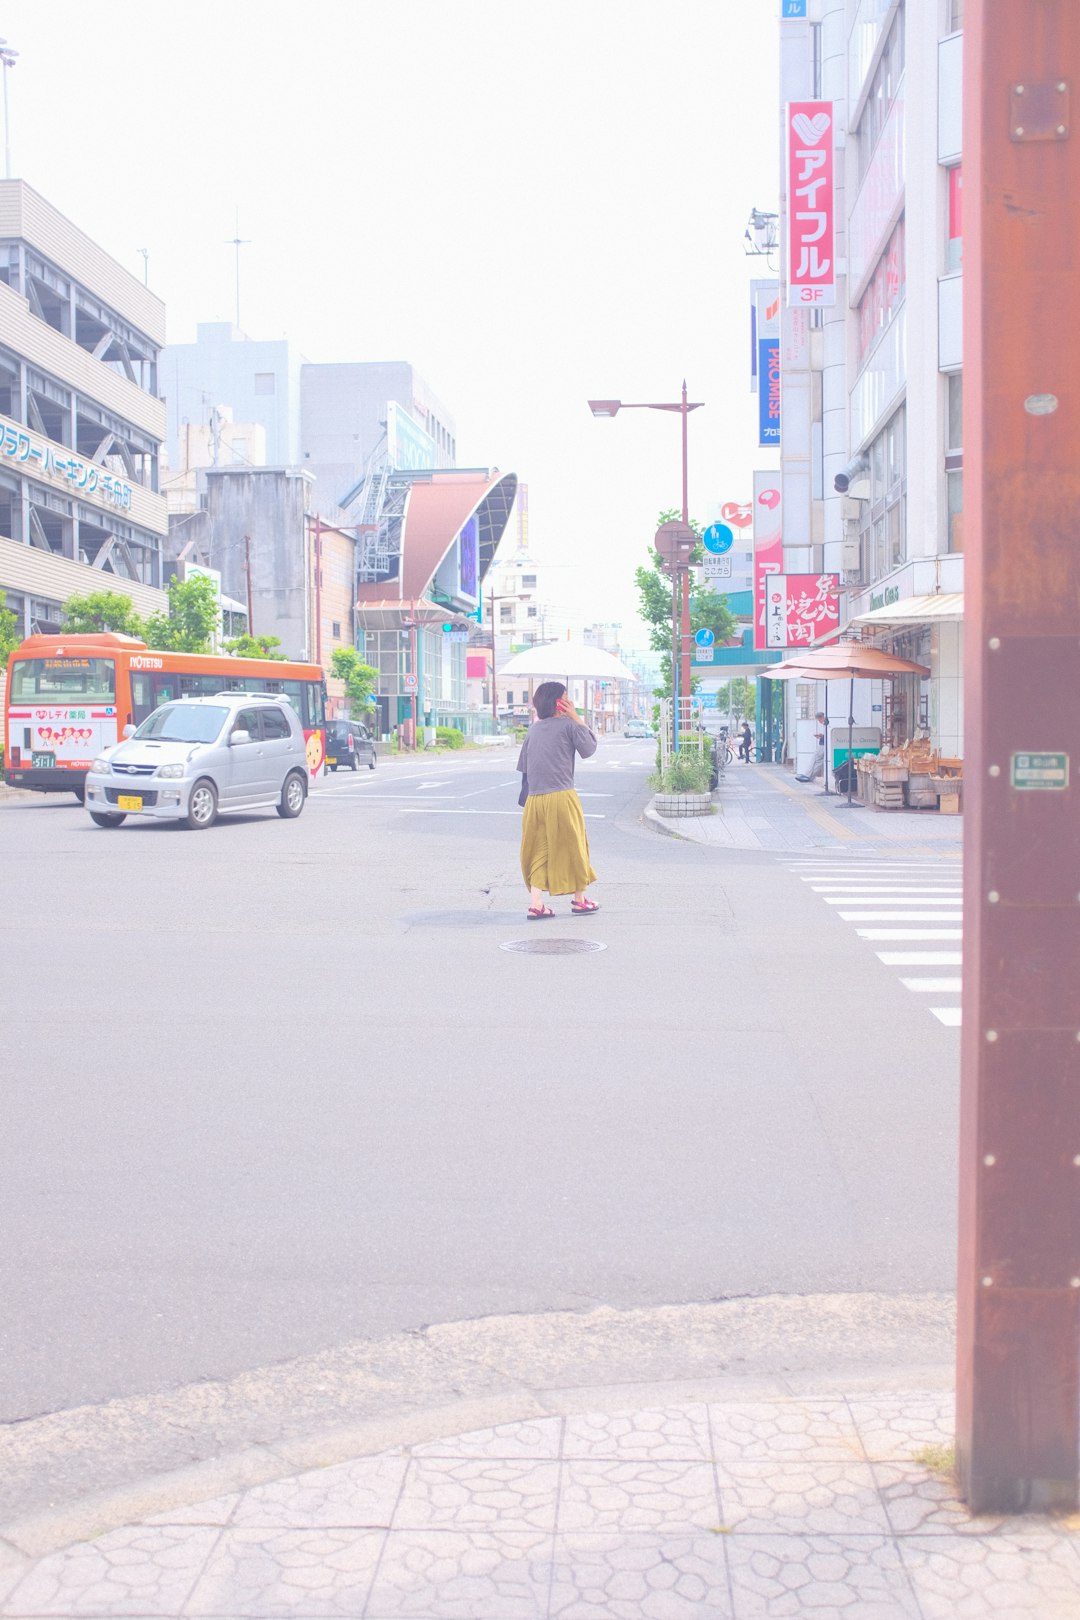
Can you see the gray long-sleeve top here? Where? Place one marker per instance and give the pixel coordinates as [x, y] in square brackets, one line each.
[548, 753]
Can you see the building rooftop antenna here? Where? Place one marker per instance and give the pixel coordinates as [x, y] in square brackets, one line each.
[238, 242]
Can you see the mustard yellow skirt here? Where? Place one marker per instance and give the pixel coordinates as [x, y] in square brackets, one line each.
[554, 846]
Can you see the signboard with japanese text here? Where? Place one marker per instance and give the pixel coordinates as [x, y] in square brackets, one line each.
[800, 608]
[764, 320]
[56, 465]
[716, 568]
[769, 393]
[811, 252]
[768, 544]
[792, 10]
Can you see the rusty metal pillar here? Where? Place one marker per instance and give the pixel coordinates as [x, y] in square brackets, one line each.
[1018, 1396]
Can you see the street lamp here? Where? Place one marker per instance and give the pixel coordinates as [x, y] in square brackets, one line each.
[680, 610]
[7, 57]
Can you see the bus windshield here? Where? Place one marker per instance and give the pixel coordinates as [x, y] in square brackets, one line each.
[176, 722]
[64, 680]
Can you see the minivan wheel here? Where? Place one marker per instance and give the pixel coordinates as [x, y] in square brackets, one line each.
[100, 819]
[293, 794]
[334, 769]
[356, 762]
[202, 805]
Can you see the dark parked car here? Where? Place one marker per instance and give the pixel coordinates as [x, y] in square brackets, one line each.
[349, 743]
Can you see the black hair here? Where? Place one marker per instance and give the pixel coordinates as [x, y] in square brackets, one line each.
[546, 697]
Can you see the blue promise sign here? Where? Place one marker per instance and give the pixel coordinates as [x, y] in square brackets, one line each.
[769, 392]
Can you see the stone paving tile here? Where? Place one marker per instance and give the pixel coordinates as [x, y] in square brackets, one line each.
[666, 1497]
[662, 1434]
[808, 1499]
[453, 1493]
[609, 1577]
[12, 1569]
[451, 1575]
[1012, 1575]
[759, 1431]
[269, 1573]
[350, 1495]
[536, 1438]
[792, 1577]
[134, 1571]
[896, 1427]
[919, 1502]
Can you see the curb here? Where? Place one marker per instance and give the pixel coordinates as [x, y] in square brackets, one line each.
[162, 1451]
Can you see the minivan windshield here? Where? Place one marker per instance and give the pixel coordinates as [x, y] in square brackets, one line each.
[181, 722]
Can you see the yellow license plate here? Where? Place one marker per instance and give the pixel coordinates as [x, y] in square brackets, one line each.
[330, 761]
[129, 801]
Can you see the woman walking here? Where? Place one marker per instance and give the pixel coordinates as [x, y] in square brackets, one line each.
[554, 847]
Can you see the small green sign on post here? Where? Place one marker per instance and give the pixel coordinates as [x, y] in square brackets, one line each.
[1040, 772]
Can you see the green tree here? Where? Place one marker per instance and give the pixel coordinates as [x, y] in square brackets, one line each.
[10, 635]
[246, 646]
[192, 618]
[99, 611]
[359, 678]
[708, 611]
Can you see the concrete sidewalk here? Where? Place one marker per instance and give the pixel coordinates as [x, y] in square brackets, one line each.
[831, 1504]
[764, 807]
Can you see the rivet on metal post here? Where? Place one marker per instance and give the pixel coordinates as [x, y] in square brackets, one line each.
[994, 643]
[1076, 1159]
[988, 1282]
[993, 897]
[1074, 1282]
[1018, 89]
[1019, 129]
[995, 770]
[1062, 130]
[991, 1035]
[990, 1158]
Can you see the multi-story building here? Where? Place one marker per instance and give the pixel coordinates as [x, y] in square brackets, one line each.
[81, 424]
[258, 381]
[359, 415]
[871, 385]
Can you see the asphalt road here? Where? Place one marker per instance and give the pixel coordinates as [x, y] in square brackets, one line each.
[276, 1086]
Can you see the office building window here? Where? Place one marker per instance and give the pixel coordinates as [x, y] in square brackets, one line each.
[335, 628]
[506, 612]
[954, 463]
[883, 525]
[265, 382]
[882, 90]
[954, 221]
[884, 293]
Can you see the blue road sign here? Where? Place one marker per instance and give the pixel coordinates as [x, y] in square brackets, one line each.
[704, 638]
[718, 538]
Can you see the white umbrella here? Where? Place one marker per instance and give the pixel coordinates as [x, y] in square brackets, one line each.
[567, 660]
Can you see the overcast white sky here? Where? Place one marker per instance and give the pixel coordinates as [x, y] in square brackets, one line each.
[534, 201]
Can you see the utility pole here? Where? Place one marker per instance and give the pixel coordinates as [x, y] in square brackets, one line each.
[1018, 1355]
[247, 572]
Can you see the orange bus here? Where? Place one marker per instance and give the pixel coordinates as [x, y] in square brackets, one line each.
[68, 697]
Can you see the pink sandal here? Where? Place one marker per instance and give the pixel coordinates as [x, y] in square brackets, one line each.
[538, 913]
[583, 907]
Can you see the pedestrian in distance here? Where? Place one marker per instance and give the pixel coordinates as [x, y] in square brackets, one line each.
[745, 740]
[818, 766]
[554, 846]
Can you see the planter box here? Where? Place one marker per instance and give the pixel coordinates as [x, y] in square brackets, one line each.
[682, 804]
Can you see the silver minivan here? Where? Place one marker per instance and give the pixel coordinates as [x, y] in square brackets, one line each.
[197, 758]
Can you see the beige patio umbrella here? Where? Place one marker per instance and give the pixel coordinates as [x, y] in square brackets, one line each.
[840, 660]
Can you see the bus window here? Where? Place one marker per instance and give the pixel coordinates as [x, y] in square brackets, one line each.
[166, 687]
[202, 685]
[63, 680]
[291, 690]
[142, 697]
[316, 706]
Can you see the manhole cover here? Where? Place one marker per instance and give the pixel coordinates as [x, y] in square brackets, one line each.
[553, 947]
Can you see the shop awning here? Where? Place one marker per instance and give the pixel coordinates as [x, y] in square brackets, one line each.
[938, 609]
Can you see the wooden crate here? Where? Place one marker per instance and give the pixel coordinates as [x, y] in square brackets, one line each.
[949, 804]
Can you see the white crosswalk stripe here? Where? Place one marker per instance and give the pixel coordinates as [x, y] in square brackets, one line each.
[916, 903]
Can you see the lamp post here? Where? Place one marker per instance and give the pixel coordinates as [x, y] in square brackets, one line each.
[680, 606]
[7, 57]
